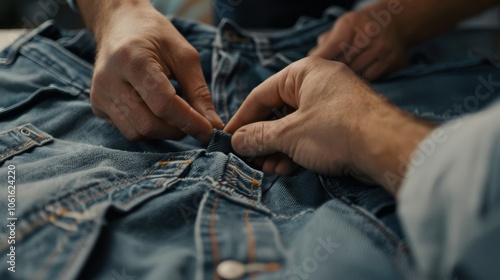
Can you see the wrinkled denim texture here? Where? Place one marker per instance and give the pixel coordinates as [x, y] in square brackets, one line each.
[91, 204]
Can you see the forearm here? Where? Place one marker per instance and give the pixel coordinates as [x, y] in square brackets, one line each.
[384, 143]
[420, 20]
[98, 13]
[423, 19]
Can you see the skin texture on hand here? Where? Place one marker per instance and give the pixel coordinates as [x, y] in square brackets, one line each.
[340, 126]
[139, 50]
[372, 40]
[367, 40]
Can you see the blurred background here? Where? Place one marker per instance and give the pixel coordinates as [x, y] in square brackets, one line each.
[25, 14]
[480, 32]
[31, 13]
[15, 14]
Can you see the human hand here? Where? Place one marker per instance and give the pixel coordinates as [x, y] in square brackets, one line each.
[340, 125]
[367, 40]
[139, 51]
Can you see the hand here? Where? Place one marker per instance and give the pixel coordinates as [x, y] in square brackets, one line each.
[139, 51]
[340, 125]
[366, 40]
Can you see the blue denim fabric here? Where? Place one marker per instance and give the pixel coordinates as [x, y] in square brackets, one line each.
[92, 205]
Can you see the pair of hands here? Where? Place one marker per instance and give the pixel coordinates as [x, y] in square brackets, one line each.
[140, 50]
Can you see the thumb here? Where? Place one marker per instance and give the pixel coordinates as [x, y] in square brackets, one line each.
[260, 139]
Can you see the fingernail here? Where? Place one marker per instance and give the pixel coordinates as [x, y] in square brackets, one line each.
[214, 119]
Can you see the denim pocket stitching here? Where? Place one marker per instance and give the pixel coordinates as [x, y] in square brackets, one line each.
[44, 219]
[48, 263]
[32, 142]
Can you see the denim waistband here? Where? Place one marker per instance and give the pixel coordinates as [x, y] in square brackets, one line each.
[231, 37]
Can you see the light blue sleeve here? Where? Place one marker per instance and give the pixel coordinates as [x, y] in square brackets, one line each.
[449, 204]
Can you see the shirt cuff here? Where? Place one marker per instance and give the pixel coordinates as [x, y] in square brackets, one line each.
[449, 203]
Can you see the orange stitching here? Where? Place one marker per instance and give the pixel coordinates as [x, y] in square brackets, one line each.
[232, 174]
[251, 238]
[43, 270]
[39, 222]
[23, 144]
[213, 238]
[163, 163]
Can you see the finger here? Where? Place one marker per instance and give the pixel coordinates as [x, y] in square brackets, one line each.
[131, 114]
[286, 166]
[260, 103]
[332, 45]
[195, 88]
[364, 60]
[149, 80]
[279, 164]
[376, 70]
[260, 139]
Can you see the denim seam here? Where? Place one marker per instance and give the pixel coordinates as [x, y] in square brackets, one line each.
[293, 217]
[395, 242]
[28, 53]
[369, 217]
[14, 47]
[40, 91]
[213, 237]
[44, 219]
[47, 264]
[380, 227]
[19, 148]
[227, 192]
[46, 67]
[32, 142]
[198, 238]
[26, 230]
[64, 51]
[251, 243]
[77, 251]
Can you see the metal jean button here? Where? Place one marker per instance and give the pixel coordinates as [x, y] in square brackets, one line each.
[25, 132]
[232, 270]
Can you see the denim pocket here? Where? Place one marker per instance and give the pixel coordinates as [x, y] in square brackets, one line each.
[12, 101]
[21, 139]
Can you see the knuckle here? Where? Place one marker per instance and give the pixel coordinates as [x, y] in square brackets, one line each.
[145, 128]
[123, 55]
[189, 54]
[350, 18]
[128, 58]
[161, 109]
[202, 94]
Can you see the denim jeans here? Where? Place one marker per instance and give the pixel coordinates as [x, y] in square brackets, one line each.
[92, 205]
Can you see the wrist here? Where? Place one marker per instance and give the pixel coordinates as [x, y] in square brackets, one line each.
[384, 141]
[99, 15]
